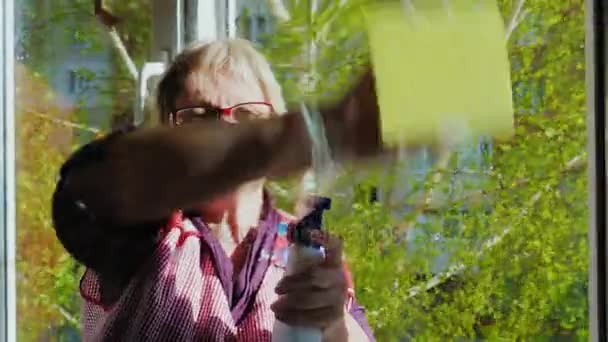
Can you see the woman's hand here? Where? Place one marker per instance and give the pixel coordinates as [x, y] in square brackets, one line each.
[316, 296]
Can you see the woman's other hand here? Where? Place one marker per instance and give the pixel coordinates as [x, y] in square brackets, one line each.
[316, 296]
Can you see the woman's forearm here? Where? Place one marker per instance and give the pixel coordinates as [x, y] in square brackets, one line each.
[146, 174]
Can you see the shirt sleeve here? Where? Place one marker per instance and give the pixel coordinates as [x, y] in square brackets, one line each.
[358, 313]
[95, 239]
[354, 308]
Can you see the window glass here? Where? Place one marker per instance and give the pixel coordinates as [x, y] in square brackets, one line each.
[484, 240]
[71, 86]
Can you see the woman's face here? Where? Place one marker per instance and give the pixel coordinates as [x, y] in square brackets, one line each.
[221, 92]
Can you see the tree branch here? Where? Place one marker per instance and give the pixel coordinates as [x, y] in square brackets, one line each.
[110, 21]
[517, 17]
[442, 163]
[67, 123]
[66, 315]
[122, 52]
[277, 7]
[573, 164]
[460, 267]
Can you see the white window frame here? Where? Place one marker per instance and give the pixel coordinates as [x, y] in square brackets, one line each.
[8, 331]
[176, 24]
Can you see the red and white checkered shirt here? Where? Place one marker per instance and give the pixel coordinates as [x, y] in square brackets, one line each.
[179, 295]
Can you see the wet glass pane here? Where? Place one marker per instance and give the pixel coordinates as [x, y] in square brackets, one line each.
[482, 240]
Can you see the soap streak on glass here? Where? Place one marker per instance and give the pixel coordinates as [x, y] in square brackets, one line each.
[324, 169]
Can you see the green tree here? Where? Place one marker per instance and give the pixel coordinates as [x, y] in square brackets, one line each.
[517, 235]
[48, 305]
[47, 282]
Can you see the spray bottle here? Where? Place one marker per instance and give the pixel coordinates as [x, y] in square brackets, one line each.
[302, 252]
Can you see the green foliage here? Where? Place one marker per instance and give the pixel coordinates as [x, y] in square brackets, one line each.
[532, 283]
[48, 304]
[323, 70]
[531, 190]
[48, 284]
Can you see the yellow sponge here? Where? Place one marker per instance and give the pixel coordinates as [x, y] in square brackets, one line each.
[441, 67]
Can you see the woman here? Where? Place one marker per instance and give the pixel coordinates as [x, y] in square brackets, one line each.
[178, 235]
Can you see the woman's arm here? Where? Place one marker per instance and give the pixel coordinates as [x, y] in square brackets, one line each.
[116, 193]
[146, 174]
[122, 188]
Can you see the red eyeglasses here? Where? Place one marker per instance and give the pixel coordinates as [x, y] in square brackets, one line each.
[241, 112]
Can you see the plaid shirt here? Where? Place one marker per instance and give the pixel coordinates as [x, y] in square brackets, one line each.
[184, 293]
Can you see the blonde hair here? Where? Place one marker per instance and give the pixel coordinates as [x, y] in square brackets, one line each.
[228, 57]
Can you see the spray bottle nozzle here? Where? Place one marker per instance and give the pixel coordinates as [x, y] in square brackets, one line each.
[320, 204]
[301, 231]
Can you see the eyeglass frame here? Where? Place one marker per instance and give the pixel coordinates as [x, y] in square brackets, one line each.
[220, 112]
